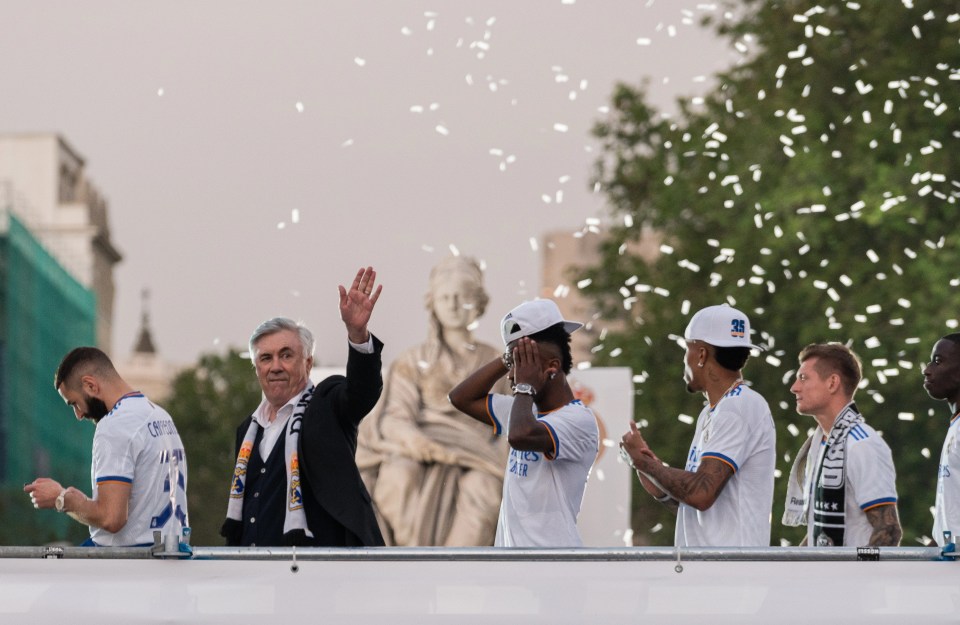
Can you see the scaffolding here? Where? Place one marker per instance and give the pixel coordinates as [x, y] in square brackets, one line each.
[44, 312]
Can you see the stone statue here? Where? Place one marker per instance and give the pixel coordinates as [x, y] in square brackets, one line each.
[435, 474]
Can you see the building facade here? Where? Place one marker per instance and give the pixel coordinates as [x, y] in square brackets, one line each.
[56, 293]
[46, 180]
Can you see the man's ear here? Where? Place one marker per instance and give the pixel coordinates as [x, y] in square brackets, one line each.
[835, 383]
[553, 367]
[90, 385]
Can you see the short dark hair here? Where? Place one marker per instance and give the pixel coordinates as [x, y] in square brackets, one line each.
[556, 335]
[835, 358]
[732, 358]
[953, 336]
[82, 361]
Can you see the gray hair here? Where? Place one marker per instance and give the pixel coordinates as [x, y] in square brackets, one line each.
[278, 324]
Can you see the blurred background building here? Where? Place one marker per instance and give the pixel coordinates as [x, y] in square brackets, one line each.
[56, 292]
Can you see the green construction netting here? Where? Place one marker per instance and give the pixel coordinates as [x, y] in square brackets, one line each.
[44, 312]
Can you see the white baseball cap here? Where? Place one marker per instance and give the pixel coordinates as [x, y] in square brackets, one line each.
[720, 326]
[532, 317]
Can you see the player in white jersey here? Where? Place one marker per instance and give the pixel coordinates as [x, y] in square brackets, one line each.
[139, 470]
[842, 484]
[724, 493]
[941, 379]
[553, 437]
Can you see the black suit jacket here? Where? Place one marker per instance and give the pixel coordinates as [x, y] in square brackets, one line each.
[327, 451]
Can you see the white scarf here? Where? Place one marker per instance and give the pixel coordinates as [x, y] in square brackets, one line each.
[795, 510]
[294, 516]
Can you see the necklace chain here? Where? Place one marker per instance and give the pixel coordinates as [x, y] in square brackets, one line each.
[735, 384]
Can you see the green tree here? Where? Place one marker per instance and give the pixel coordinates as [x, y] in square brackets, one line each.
[815, 188]
[208, 402]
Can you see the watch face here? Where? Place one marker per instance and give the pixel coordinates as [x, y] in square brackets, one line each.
[523, 387]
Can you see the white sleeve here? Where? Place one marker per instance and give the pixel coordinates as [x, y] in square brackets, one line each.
[728, 439]
[870, 472]
[499, 407]
[574, 432]
[113, 459]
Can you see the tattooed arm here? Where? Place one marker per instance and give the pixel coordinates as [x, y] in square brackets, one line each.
[699, 490]
[886, 526]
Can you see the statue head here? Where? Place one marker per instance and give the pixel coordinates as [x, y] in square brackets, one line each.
[456, 297]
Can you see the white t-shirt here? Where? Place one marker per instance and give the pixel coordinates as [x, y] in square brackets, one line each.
[137, 444]
[739, 431]
[869, 476]
[946, 516]
[542, 493]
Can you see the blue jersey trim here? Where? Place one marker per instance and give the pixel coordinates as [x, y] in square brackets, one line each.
[115, 478]
[721, 458]
[878, 502]
[858, 433]
[497, 427]
[556, 440]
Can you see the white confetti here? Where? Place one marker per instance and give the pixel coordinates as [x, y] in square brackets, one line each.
[359, 61]
[442, 130]
[560, 127]
[299, 107]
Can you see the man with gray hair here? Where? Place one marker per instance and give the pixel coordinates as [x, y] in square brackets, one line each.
[296, 480]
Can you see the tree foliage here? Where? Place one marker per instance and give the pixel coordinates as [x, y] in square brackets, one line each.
[208, 402]
[814, 187]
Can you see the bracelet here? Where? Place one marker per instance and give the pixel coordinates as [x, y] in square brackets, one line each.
[507, 359]
[664, 499]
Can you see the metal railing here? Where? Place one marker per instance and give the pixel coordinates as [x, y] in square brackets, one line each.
[491, 554]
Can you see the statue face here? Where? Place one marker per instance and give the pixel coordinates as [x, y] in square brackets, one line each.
[453, 302]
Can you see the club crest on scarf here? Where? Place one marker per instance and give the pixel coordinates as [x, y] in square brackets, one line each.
[240, 472]
[295, 518]
[296, 499]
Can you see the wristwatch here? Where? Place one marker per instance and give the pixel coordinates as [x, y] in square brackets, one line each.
[524, 388]
[60, 500]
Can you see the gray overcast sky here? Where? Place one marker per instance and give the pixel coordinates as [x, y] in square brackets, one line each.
[207, 125]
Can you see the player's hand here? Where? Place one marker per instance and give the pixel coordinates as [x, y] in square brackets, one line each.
[43, 492]
[527, 366]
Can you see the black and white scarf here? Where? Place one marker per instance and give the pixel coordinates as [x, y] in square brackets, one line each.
[829, 482]
[295, 520]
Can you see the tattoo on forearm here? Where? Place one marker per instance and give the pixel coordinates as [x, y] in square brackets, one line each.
[687, 486]
[886, 526]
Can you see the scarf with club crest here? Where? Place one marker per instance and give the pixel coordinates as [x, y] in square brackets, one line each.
[295, 520]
